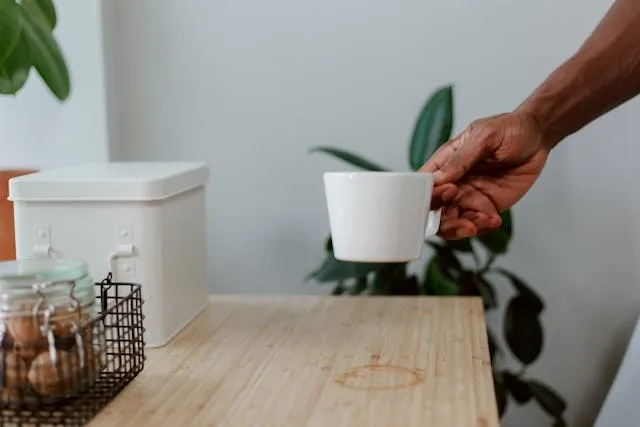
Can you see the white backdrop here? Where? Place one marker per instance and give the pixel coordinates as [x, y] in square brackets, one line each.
[38, 131]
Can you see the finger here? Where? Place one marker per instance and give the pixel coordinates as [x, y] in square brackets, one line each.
[449, 213]
[464, 152]
[468, 198]
[438, 158]
[483, 222]
[442, 194]
[449, 192]
[495, 221]
[459, 233]
[459, 228]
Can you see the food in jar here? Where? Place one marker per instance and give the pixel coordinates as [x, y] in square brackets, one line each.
[62, 323]
[68, 373]
[46, 325]
[51, 379]
[14, 377]
[25, 331]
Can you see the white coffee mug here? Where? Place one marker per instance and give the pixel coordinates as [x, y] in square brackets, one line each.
[380, 216]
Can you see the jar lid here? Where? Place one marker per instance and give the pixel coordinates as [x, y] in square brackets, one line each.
[25, 273]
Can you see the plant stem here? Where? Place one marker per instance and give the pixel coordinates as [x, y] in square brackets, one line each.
[489, 263]
[475, 257]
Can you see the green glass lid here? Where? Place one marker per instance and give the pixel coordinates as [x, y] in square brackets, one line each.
[26, 272]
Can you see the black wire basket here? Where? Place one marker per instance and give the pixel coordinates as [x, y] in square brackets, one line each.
[69, 382]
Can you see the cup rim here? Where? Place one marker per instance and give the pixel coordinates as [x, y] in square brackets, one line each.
[378, 173]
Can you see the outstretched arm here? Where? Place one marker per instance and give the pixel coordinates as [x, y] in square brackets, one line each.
[603, 74]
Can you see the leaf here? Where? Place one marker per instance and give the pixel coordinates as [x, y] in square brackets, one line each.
[353, 159]
[436, 283]
[517, 388]
[14, 71]
[523, 331]
[328, 245]
[462, 245]
[42, 10]
[498, 240]
[523, 290]
[338, 289]
[487, 292]
[333, 269]
[473, 284]
[433, 127]
[549, 399]
[10, 27]
[447, 260]
[501, 396]
[388, 280]
[360, 286]
[406, 286]
[494, 349]
[46, 56]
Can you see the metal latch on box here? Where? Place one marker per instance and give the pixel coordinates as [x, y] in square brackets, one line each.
[42, 242]
[124, 249]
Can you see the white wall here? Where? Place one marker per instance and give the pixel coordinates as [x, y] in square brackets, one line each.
[38, 131]
[250, 86]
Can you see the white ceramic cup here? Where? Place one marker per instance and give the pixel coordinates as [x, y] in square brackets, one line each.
[380, 216]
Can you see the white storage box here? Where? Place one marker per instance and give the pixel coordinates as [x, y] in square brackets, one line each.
[143, 222]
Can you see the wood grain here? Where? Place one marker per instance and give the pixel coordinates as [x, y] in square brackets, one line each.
[316, 361]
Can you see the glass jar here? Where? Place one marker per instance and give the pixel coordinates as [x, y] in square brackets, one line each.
[50, 343]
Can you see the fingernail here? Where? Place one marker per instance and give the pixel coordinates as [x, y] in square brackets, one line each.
[463, 233]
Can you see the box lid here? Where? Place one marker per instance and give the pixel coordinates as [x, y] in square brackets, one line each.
[109, 181]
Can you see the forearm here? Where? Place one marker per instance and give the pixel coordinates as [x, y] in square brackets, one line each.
[603, 74]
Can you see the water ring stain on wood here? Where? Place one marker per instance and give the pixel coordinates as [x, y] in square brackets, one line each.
[379, 377]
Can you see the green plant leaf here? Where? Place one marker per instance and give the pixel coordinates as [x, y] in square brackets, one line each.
[467, 284]
[524, 290]
[433, 127]
[494, 349]
[389, 279]
[447, 260]
[501, 396]
[14, 70]
[517, 388]
[473, 284]
[487, 292]
[360, 286]
[328, 245]
[333, 269]
[560, 422]
[42, 10]
[498, 240]
[351, 158]
[548, 399]
[10, 27]
[436, 282]
[406, 286]
[46, 56]
[338, 289]
[522, 329]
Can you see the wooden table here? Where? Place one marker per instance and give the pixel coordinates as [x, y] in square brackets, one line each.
[317, 361]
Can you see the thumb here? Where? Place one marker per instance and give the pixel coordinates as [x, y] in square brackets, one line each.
[454, 161]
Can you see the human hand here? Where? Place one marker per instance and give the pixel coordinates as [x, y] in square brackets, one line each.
[484, 171]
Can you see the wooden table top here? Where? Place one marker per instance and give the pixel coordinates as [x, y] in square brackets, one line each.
[318, 361]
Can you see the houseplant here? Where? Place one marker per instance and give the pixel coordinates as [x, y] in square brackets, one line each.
[26, 41]
[460, 267]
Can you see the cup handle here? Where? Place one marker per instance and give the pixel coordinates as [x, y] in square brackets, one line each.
[433, 223]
